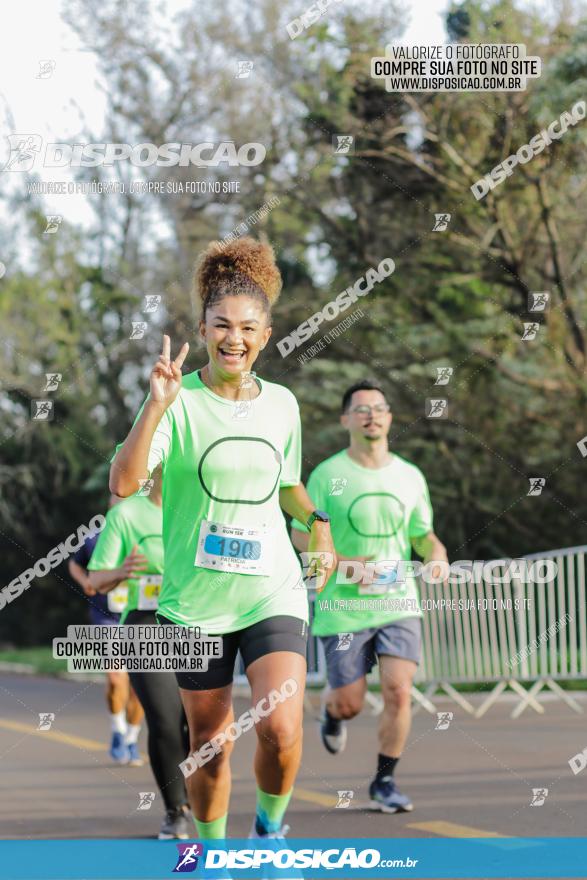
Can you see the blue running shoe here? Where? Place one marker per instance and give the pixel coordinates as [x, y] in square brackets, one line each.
[119, 749]
[270, 835]
[385, 796]
[293, 873]
[134, 757]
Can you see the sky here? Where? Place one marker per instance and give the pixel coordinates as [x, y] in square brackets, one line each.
[59, 106]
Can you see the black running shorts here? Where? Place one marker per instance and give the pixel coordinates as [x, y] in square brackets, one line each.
[279, 633]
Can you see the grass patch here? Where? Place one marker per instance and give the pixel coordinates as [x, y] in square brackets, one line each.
[41, 658]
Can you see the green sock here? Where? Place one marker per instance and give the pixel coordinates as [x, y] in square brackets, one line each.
[214, 830]
[270, 811]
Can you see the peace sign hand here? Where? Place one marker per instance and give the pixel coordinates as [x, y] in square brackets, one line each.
[166, 374]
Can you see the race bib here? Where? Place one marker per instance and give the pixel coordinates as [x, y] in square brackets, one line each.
[149, 589]
[375, 589]
[383, 582]
[117, 599]
[235, 548]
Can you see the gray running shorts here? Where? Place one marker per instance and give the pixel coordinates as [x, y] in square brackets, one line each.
[350, 656]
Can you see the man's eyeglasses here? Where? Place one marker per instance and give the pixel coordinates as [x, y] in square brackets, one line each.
[366, 410]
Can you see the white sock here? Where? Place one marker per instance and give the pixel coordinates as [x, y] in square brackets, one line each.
[118, 721]
[132, 734]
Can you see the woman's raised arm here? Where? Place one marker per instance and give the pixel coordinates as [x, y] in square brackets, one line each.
[130, 464]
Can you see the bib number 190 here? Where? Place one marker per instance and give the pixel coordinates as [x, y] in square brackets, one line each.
[234, 547]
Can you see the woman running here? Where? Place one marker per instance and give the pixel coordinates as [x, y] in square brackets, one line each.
[230, 444]
[130, 548]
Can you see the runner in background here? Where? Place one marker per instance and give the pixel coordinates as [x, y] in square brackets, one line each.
[125, 710]
[130, 548]
[230, 445]
[380, 509]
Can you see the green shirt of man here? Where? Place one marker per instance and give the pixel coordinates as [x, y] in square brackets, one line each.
[380, 510]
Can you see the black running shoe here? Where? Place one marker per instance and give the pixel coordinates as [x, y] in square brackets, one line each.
[333, 732]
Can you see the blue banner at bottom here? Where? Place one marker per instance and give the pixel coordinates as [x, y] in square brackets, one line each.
[294, 859]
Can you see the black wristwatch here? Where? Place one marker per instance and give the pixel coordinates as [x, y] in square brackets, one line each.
[320, 515]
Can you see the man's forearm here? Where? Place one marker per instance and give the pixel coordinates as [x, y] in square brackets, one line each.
[105, 580]
[429, 547]
[79, 574]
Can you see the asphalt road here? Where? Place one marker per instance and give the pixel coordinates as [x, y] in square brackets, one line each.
[473, 779]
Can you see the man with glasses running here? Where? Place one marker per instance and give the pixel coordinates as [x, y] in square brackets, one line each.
[380, 509]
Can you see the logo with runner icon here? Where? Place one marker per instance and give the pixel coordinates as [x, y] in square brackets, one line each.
[344, 799]
[444, 719]
[187, 858]
[146, 799]
[46, 719]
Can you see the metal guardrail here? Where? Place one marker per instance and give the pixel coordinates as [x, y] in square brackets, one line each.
[518, 631]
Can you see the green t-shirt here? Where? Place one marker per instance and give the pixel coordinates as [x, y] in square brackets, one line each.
[223, 465]
[374, 512]
[136, 520]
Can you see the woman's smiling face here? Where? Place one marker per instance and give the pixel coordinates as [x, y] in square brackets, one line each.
[235, 331]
